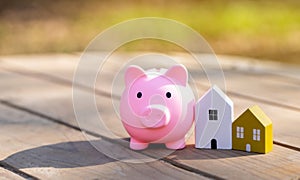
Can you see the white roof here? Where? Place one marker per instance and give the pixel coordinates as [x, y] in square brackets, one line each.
[215, 89]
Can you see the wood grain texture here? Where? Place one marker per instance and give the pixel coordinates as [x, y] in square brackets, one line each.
[46, 89]
[7, 175]
[49, 150]
[247, 85]
[281, 163]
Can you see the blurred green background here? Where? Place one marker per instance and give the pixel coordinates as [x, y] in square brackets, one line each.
[259, 29]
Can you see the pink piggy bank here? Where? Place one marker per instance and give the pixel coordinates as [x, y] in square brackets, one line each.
[157, 106]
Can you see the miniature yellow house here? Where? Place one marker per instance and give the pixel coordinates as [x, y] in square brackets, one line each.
[252, 131]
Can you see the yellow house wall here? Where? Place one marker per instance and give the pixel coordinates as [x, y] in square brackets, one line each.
[269, 138]
[249, 122]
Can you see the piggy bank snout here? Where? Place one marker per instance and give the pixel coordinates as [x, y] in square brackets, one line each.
[155, 116]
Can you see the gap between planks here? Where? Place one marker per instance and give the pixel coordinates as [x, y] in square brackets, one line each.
[55, 120]
[68, 83]
[17, 171]
[62, 81]
[168, 160]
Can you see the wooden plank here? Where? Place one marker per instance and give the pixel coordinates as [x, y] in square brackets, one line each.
[224, 164]
[281, 133]
[46, 150]
[253, 79]
[282, 70]
[281, 163]
[59, 105]
[56, 101]
[264, 86]
[52, 100]
[5, 174]
[286, 132]
[62, 64]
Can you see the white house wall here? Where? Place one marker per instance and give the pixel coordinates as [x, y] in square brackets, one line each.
[205, 129]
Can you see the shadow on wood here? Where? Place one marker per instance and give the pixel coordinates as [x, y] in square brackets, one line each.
[61, 155]
[191, 153]
[82, 154]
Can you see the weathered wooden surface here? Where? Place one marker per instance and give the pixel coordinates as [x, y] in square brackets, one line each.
[247, 84]
[45, 149]
[6, 174]
[279, 164]
[36, 92]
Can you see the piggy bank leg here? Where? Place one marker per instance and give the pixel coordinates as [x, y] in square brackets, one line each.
[137, 145]
[180, 144]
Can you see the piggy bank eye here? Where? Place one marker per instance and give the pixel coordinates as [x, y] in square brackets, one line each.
[168, 94]
[139, 95]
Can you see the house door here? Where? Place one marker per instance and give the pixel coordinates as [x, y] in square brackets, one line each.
[213, 144]
[248, 147]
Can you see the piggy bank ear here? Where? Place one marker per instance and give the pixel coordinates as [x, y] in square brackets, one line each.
[132, 73]
[178, 73]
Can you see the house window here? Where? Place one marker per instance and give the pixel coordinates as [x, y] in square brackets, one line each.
[213, 114]
[240, 132]
[256, 134]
